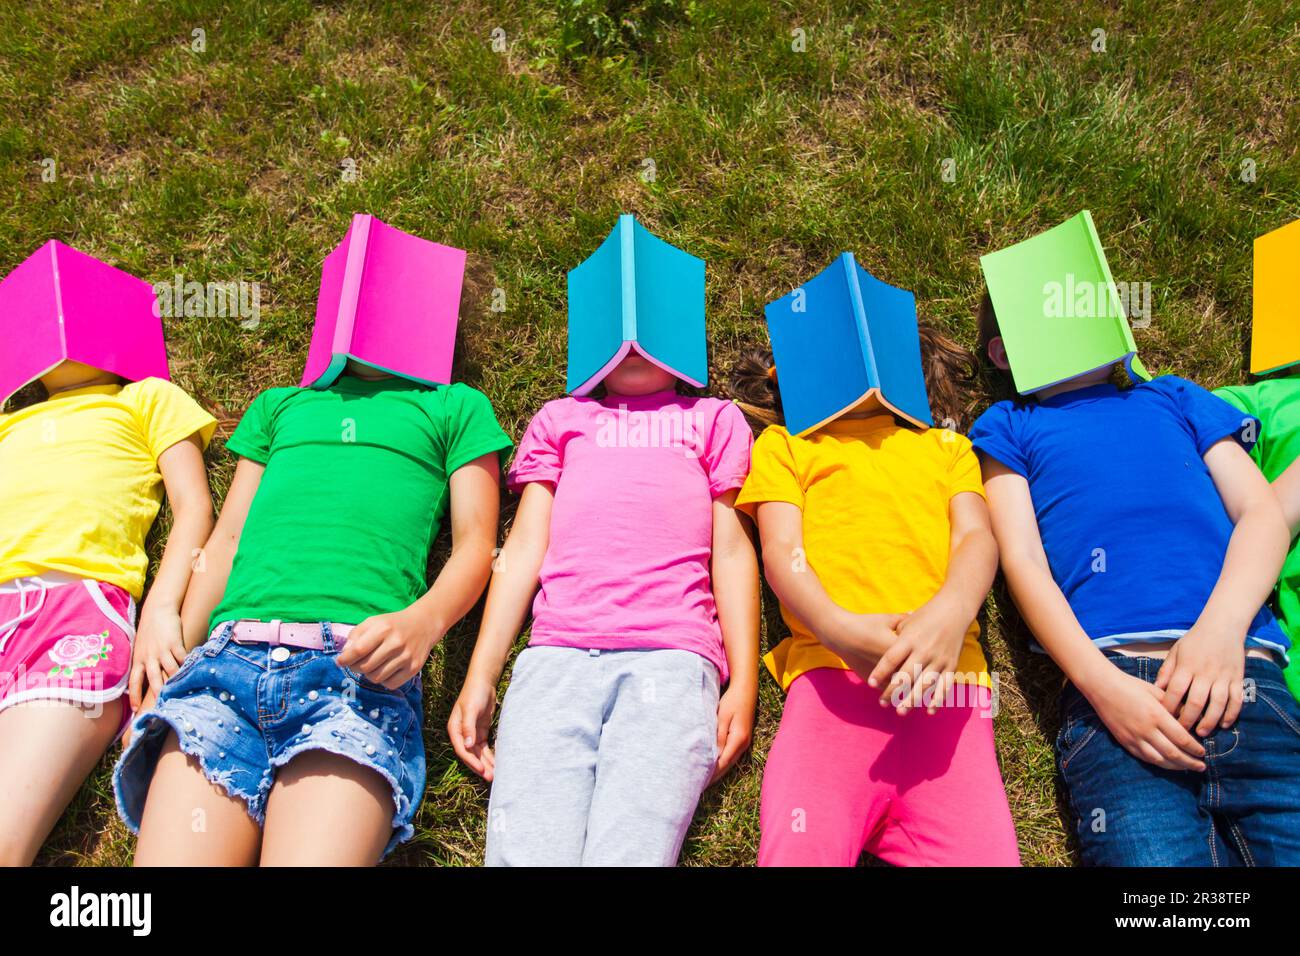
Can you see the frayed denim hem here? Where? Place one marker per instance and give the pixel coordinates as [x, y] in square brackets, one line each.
[150, 729]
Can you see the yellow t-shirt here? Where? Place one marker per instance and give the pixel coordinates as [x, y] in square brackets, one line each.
[79, 479]
[876, 530]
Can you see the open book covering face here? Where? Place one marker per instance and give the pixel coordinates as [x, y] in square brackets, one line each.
[60, 305]
[844, 338]
[1059, 312]
[388, 300]
[636, 293]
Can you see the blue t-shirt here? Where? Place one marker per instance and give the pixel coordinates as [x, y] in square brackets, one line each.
[1134, 529]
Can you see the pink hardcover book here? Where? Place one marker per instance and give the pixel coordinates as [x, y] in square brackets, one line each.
[63, 305]
[389, 300]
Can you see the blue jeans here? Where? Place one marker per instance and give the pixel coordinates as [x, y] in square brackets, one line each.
[245, 710]
[1244, 809]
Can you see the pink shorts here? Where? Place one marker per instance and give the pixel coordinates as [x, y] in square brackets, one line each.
[845, 774]
[65, 638]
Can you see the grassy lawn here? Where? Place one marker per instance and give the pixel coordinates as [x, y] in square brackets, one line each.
[228, 164]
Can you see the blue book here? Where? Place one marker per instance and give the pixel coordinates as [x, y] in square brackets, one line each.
[841, 337]
[636, 291]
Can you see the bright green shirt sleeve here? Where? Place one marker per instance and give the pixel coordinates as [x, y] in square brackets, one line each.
[252, 437]
[472, 429]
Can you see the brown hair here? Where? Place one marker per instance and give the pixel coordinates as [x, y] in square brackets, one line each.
[29, 394]
[948, 369]
[753, 387]
[986, 327]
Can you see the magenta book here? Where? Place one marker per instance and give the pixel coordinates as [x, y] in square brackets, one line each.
[389, 300]
[63, 305]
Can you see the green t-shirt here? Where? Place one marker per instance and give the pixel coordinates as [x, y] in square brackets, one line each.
[355, 488]
[1276, 403]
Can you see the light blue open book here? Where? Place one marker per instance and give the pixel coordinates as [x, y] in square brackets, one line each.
[636, 292]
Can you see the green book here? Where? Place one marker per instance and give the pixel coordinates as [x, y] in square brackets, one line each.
[1058, 309]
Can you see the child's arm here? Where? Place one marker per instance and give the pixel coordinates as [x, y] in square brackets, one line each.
[858, 639]
[1129, 707]
[735, 592]
[212, 570]
[1203, 675]
[390, 649]
[1287, 488]
[159, 647]
[513, 585]
[921, 663]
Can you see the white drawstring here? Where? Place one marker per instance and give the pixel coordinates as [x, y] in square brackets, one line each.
[8, 628]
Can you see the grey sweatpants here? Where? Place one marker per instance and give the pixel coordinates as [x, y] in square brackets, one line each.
[601, 757]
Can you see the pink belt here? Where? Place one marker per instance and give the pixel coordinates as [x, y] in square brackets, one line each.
[306, 636]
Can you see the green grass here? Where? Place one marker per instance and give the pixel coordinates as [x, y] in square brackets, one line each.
[225, 165]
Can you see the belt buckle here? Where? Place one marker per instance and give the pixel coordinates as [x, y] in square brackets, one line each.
[279, 652]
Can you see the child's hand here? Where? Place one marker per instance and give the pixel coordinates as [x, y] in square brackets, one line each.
[150, 698]
[735, 727]
[157, 652]
[861, 639]
[919, 666]
[389, 649]
[469, 724]
[1203, 679]
[1135, 713]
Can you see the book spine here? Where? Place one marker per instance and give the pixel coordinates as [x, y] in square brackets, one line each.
[628, 291]
[350, 293]
[860, 317]
[58, 298]
[1115, 308]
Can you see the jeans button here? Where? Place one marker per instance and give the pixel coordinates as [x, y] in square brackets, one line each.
[280, 654]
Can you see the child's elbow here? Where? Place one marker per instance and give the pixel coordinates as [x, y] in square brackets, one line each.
[779, 559]
[196, 509]
[1015, 563]
[981, 539]
[735, 549]
[476, 546]
[1267, 512]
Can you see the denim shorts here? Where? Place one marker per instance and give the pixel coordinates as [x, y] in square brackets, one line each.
[243, 712]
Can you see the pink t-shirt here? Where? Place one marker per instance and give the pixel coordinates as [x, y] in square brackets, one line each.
[632, 526]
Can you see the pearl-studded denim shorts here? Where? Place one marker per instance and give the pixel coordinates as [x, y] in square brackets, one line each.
[245, 710]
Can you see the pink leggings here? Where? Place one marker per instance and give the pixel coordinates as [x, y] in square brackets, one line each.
[845, 774]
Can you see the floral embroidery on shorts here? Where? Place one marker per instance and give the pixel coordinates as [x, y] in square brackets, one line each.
[77, 651]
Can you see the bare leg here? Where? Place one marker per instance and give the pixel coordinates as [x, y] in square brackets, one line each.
[312, 793]
[47, 749]
[188, 821]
